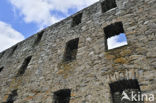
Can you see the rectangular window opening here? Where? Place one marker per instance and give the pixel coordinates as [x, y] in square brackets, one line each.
[24, 66]
[71, 50]
[39, 37]
[107, 5]
[77, 20]
[12, 97]
[62, 96]
[1, 68]
[13, 50]
[120, 88]
[115, 36]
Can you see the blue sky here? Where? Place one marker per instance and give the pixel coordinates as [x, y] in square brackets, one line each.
[19, 19]
[12, 17]
[117, 41]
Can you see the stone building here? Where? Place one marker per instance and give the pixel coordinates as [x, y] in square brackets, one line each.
[69, 62]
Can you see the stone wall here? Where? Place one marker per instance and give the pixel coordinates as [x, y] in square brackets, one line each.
[89, 75]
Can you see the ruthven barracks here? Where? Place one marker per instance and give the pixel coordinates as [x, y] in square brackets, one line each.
[70, 62]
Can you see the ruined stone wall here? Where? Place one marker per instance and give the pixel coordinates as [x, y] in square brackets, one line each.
[90, 74]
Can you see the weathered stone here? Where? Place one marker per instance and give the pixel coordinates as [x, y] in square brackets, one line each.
[90, 73]
[120, 60]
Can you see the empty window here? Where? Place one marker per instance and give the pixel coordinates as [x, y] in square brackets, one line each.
[115, 36]
[13, 50]
[77, 20]
[39, 37]
[62, 96]
[71, 50]
[107, 5]
[24, 66]
[12, 97]
[120, 88]
[1, 68]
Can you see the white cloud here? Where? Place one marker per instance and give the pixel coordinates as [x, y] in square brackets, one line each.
[113, 42]
[39, 11]
[8, 36]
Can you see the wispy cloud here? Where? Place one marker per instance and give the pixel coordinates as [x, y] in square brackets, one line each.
[39, 11]
[8, 36]
[117, 41]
